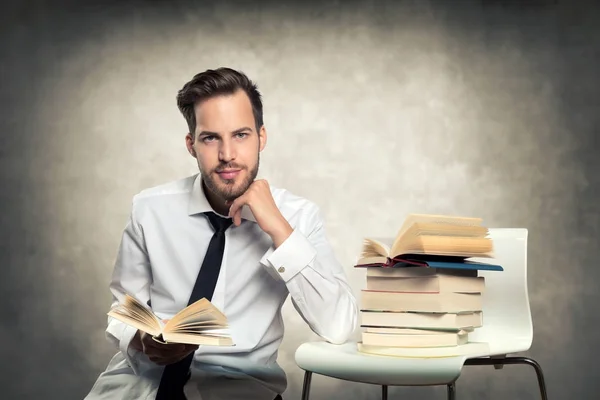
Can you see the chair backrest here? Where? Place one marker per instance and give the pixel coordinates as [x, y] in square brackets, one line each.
[507, 324]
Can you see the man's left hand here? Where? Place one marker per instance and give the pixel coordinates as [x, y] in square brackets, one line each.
[260, 201]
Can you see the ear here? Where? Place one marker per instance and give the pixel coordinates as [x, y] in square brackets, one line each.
[189, 143]
[262, 138]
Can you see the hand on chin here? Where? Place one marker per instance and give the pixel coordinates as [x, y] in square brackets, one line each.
[259, 199]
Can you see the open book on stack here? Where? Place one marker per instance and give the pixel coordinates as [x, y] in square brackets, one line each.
[200, 323]
[423, 295]
[433, 237]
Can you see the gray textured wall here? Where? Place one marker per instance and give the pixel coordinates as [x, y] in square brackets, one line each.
[375, 109]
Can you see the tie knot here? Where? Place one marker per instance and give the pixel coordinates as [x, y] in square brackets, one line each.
[219, 224]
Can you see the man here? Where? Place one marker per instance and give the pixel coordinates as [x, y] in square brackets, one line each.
[274, 246]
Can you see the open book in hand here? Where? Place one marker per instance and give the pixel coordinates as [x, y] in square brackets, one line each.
[200, 323]
[431, 235]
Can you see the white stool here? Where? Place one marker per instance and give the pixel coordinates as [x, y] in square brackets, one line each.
[507, 329]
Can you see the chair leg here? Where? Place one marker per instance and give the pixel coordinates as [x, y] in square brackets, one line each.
[384, 390]
[306, 386]
[452, 391]
[512, 361]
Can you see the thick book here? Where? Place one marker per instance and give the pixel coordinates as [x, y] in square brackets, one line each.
[200, 323]
[421, 339]
[473, 349]
[421, 302]
[383, 319]
[415, 331]
[431, 235]
[427, 284]
[420, 271]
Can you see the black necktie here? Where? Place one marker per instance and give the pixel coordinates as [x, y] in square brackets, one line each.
[176, 375]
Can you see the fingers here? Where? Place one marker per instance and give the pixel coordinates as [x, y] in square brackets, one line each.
[153, 346]
[237, 217]
[166, 356]
[235, 210]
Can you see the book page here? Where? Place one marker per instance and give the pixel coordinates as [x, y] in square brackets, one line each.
[198, 313]
[375, 247]
[446, 245]
[202, 340]
[424, 228]
[437, 219]
[134, 313]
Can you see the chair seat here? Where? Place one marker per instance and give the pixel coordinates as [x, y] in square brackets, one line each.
[346, 362]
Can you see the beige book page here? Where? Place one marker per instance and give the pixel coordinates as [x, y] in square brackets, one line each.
[374, 248]
[437, 219]
[198, 312]
[429, 229]
[134, 313]
[445, 245]
[195, 338]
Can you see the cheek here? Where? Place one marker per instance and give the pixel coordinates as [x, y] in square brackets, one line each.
[249, 155]
[206, 161]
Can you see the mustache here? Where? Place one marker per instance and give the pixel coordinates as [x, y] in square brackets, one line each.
[223, 167]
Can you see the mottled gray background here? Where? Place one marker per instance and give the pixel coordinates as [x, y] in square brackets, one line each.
[375, 109]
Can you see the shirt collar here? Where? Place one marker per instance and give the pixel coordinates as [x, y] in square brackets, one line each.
[199, 204]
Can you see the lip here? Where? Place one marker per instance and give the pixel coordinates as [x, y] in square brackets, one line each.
[229, 173]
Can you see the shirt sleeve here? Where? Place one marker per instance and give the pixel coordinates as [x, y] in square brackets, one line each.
[132, 275]
[316, 280]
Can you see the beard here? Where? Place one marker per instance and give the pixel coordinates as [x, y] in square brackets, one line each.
[227, 189]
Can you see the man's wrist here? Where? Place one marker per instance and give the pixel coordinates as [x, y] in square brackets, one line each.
[281, 233]
[136, 341]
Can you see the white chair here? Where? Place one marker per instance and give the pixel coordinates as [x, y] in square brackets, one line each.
[507, 329]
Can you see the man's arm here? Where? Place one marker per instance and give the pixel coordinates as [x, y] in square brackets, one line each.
[131, 275]
[316, 280]
[304, 260]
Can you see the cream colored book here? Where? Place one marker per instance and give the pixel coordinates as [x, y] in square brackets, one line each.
[439, 339]
[423, 284]
[379, 319]
[416, 331]
[441, 235]
[421, 302]
[200, 323]
[473, 349]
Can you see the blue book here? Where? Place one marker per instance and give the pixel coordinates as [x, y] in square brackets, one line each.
[468, 265]
[433, 261]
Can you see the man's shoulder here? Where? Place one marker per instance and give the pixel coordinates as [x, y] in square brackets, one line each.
[165, 191]
[290, 203]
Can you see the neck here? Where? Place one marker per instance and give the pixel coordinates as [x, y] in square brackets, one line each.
[218, 204]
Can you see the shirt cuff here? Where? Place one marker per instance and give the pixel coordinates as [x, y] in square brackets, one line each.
[293, 255]
[128, 352]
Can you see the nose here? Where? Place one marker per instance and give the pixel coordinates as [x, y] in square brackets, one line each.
[227, 151]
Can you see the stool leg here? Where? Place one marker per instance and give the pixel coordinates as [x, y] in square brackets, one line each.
[384, 392]
[451, 391]
[499, 362]
[306, 386]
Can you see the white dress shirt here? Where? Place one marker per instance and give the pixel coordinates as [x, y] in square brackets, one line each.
[159, 257]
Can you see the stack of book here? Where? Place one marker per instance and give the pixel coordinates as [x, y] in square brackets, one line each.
[423, 293]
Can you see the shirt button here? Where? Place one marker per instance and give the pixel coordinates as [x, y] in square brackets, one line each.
[281, 269]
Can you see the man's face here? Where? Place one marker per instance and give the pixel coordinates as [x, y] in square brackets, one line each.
[226, 144]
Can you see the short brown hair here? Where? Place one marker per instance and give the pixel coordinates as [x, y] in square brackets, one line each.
[210, 83]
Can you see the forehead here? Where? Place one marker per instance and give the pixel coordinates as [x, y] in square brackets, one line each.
[224, 113]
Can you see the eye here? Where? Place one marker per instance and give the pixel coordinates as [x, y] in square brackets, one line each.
[208, 138]
[241, 135]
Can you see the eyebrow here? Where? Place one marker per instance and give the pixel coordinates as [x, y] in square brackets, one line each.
[239, 130]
